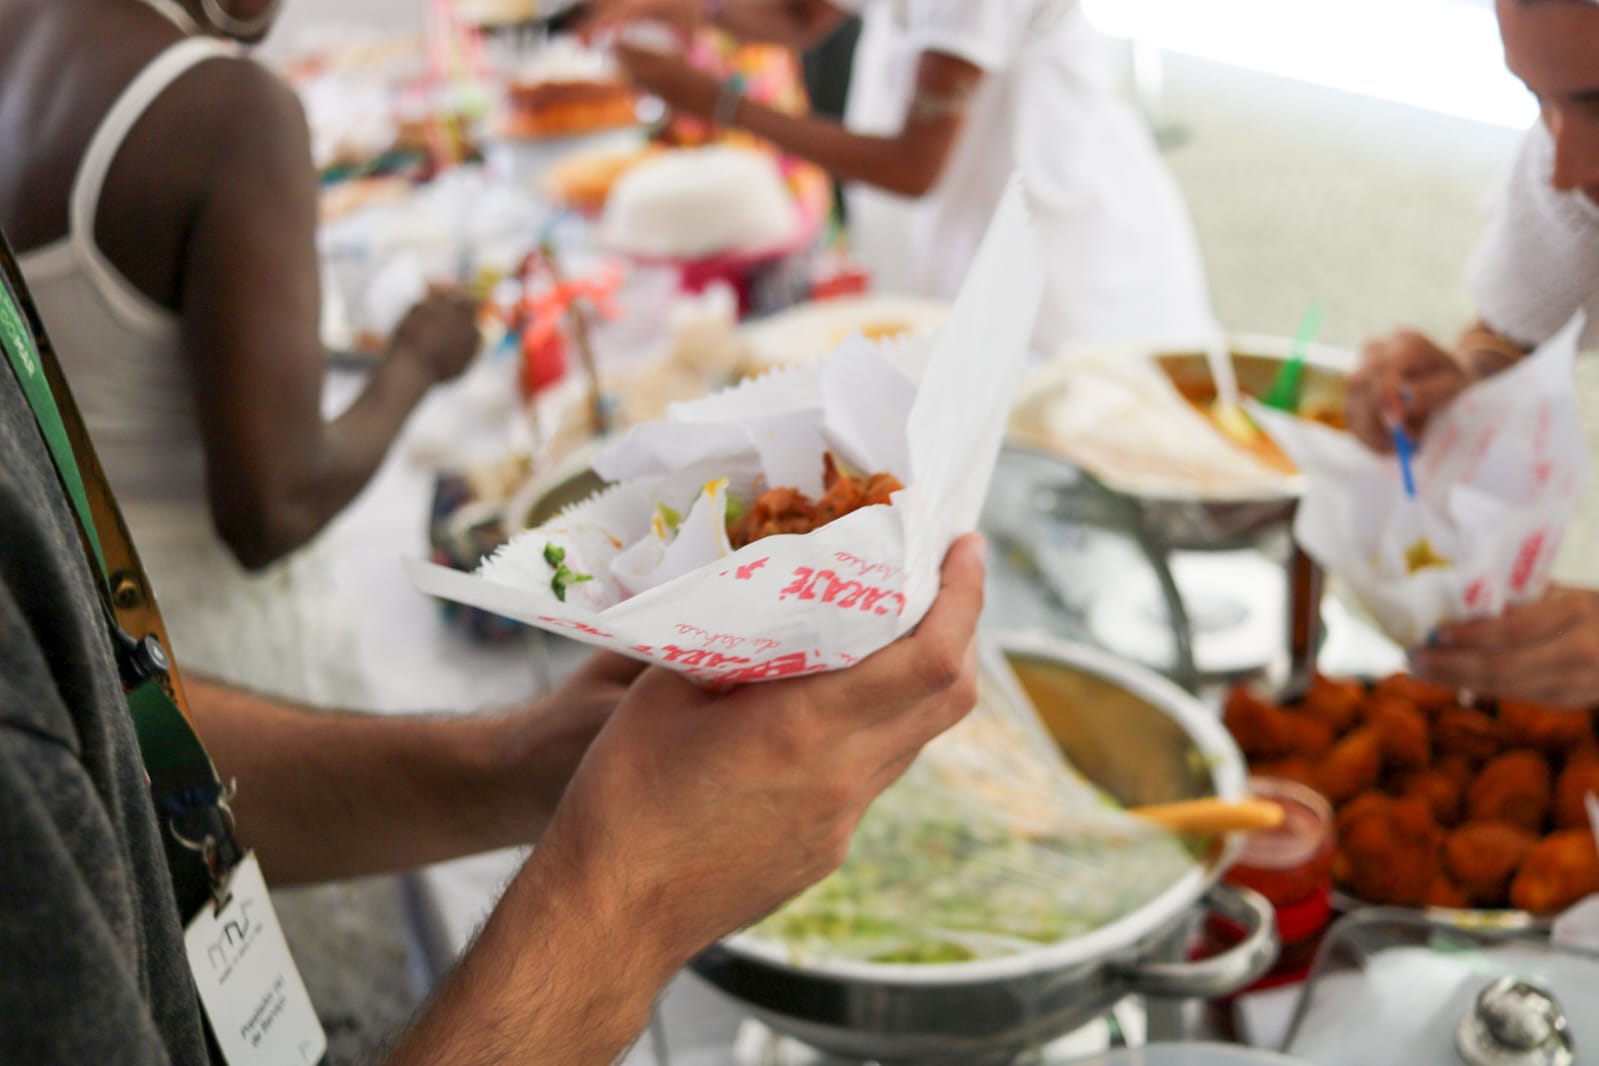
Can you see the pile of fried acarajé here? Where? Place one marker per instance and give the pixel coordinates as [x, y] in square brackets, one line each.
[1439, 804]
[788, 510]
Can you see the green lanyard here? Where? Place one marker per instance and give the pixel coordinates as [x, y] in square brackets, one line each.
[183, 781]
[17, 340]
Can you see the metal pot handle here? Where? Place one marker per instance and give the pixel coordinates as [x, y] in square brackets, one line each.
[1222, 974]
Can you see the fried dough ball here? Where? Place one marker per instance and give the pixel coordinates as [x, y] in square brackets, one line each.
[1261, 729]
[1352, 766]
[1266, 732]
[1458, 769]
[1337, 703]
[1425, 696]
[1527, 725]
[1515, 787]
[1446, 894]
[1558, 871]
[1391, 856]
[1443, 794]
[1405, 741]
[1459, 731]
[1580, 777]
[1372, 802]
[1482, 857]
[1309, 738]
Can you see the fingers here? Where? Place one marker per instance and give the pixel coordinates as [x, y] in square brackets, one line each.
[1547, 652]
[895, 741]
[609, 667]
[1553, 673]
[932, 658]
[1403, 380]
[1516, 628]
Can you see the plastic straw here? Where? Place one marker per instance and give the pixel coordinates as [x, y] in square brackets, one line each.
[1404, 449]
[1284, 394]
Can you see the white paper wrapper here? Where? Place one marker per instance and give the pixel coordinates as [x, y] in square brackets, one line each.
[1498, 475]
[932, 412]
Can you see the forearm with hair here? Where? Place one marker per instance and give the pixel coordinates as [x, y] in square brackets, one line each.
[559, 976]
[325, 795]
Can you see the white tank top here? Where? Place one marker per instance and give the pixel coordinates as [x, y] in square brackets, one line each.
[122, 353]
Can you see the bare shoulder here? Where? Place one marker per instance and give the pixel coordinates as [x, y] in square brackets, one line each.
[239, 111]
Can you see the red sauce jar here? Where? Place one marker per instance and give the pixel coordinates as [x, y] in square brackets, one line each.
[1292, 867]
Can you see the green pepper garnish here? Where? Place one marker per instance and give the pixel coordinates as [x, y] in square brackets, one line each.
[565, 576]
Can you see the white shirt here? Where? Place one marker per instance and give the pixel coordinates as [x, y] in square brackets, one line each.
[1538, 265]
[1536, 270]
[1123, 263]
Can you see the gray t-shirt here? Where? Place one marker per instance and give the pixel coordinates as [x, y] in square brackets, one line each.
[92, 968]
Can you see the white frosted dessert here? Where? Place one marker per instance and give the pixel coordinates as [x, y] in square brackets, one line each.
[696, 202]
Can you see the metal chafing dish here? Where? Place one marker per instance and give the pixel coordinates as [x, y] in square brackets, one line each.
[1163, 523]
[1192, 520]
[1143, 741]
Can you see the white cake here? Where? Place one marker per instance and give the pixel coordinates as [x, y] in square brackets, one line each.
[695, 202]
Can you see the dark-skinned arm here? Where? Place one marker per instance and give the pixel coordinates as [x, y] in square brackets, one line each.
[909, 162]
[251, 306]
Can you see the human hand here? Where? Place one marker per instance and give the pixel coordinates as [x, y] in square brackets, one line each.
[681, 86]
[699, 813]
[439, 334]
[537, 749]
[1545, 652]
[1403, 380]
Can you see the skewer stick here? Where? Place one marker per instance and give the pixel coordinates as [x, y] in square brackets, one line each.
[1211, 815]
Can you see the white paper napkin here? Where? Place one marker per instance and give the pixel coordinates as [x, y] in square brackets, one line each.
[931, 411]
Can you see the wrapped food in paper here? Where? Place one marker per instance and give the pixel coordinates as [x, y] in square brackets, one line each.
[649, 567]
[989, 845]
[1497, 475]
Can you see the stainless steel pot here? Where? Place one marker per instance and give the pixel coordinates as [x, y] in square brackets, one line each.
[1144, 741]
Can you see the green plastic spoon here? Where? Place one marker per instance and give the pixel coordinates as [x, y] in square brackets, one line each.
[1284, 394]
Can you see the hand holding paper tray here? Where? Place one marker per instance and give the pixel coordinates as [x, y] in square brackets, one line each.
[1498, 475]
[931, 412]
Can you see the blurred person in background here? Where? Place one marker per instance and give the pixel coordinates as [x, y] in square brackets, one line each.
[947, 99]
[1535, 274]
[159, 187]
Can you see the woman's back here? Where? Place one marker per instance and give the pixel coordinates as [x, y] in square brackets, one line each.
[98, 217]
[121, 349]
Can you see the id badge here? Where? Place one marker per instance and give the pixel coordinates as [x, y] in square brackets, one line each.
[257, 1003]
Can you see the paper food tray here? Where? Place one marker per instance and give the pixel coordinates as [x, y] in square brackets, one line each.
[932, 411]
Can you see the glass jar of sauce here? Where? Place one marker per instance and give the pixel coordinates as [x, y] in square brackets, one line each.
[1291, 866]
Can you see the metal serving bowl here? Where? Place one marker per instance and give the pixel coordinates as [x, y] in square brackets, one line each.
[1144, 741]
[1193, 521]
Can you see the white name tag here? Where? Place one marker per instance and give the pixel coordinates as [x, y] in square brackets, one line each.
[252, 993]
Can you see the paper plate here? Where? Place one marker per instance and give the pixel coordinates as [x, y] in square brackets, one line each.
[814, 329]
